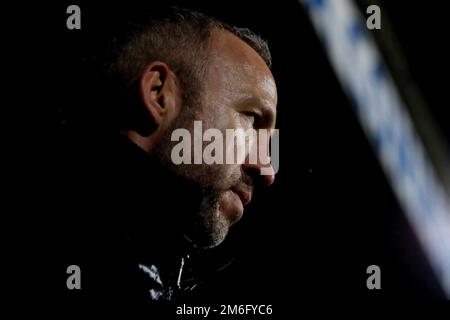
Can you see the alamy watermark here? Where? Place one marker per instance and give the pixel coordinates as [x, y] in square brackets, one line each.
[374, 279]
[253, 146]
[374, 20]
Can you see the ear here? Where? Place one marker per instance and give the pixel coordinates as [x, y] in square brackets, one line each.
[151, 90]
[160, 98]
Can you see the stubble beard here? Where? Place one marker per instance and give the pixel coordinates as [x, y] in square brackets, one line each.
[207, 227]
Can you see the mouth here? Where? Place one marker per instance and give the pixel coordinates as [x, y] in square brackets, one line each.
[233, 202]
[244, 195]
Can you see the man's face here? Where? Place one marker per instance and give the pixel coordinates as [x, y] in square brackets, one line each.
[239, 93]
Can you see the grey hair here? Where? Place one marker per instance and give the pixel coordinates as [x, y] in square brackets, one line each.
[181, 39]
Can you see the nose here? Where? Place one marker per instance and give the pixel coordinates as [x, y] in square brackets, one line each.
[257, 164]
[260, 177]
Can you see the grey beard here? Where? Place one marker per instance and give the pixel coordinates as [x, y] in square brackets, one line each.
[209, 227]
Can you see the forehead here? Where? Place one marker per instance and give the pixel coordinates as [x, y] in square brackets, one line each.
[236, 67]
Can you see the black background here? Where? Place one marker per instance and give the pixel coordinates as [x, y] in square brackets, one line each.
[330, 213]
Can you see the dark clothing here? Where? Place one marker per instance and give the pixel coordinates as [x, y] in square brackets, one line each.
[128, 234]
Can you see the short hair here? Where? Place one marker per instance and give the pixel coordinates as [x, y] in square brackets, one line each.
[180, 38]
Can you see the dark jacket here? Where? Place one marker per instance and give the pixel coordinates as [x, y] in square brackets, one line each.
[130, 244]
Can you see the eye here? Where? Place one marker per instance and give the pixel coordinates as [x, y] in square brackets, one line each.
[250, 118]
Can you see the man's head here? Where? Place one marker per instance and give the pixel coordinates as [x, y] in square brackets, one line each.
[186, 68]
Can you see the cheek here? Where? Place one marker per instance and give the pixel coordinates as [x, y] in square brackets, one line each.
[217, 111]
[230, 174]
[242, 139]
[226, 119]
[219, 176]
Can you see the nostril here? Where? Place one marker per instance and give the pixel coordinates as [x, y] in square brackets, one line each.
[268, 179]
[259, 176]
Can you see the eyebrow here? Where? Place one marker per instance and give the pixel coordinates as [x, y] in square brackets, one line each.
[263, 109]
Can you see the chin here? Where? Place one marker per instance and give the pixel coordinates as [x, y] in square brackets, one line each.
[209, 240]
[209, 233]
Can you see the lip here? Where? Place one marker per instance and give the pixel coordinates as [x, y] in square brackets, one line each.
[244, 195]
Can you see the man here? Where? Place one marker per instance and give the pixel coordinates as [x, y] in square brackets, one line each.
[172, 71]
